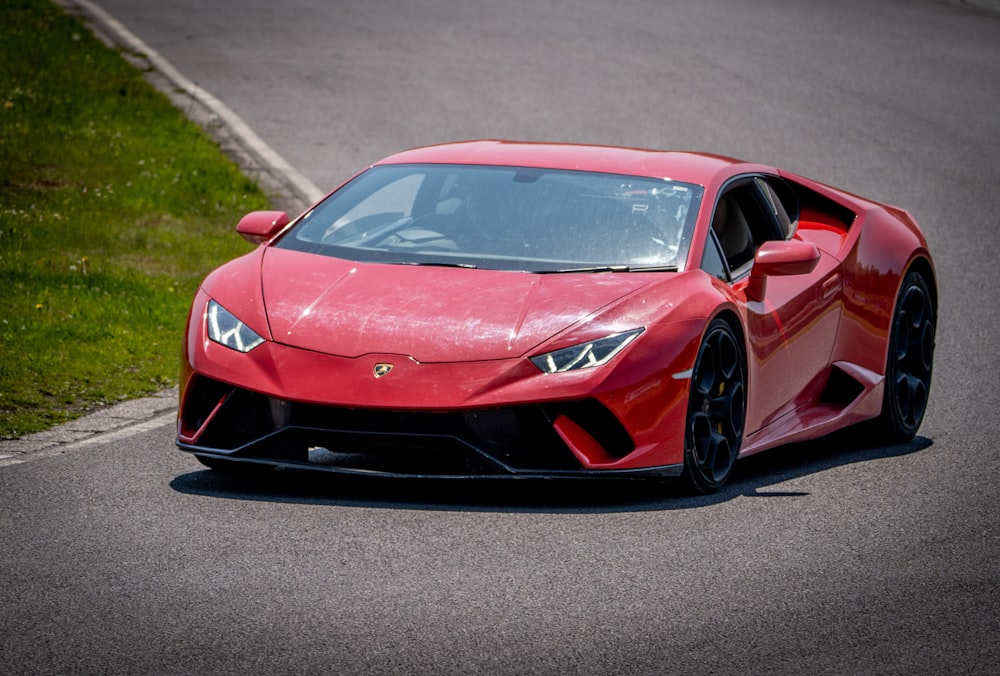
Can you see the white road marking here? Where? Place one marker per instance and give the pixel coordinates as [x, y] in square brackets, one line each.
[241, 129]
[247, 137]
[102, 438]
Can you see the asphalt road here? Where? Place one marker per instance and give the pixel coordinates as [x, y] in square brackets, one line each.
[123, 556]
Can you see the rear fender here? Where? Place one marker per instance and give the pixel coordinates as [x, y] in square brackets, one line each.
[887, 247]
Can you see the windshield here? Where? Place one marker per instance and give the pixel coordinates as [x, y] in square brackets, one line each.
[503, 218]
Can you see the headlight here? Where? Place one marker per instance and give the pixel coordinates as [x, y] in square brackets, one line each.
[585, 355]
[226, 329]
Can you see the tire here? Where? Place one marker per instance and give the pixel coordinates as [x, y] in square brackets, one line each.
[716, 409]
[909, 363]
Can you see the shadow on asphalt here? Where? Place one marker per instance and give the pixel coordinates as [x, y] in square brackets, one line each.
[751, 478]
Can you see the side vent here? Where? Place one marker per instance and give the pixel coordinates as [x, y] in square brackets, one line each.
[841, 389]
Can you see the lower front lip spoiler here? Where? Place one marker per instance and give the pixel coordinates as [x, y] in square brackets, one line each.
[320, 459]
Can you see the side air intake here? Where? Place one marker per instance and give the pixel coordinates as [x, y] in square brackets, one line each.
[841, 389]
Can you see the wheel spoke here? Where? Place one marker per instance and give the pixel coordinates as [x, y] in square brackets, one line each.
[727, 410]
[915, 337]
[701, 436]
[911, 321]
[727, 359]
[915, 307]
[918, 398]
[708, 465]
[712, 454]
[908, 341]
[911, 393]
[903, 395]
[721, 458]
[927, 346]
[705, 378]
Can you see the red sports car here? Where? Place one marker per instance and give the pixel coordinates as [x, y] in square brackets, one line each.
[493, 308]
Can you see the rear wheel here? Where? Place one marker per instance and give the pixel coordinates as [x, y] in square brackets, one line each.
[909, 362]
[716, 409]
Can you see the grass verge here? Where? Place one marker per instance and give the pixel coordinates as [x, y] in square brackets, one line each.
[113, 206]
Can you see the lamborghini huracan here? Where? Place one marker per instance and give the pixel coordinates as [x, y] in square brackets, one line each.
[505, 309]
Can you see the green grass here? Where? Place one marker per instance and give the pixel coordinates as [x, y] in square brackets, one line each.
[113, 206]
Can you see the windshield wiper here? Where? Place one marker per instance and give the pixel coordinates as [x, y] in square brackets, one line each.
[437, 264]
[613, 268]
[652, 268]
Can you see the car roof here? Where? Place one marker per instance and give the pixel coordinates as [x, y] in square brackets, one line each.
[691, 167]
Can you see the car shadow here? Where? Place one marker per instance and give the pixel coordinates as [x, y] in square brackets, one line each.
[751, 477]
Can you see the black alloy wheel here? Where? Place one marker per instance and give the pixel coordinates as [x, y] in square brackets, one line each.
[910, 361]
[716, 409]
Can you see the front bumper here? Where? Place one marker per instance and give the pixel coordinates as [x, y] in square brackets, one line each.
[542, 440]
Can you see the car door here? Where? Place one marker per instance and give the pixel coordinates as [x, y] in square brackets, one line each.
[793, 329]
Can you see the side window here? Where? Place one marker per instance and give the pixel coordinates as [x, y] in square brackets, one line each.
[783, 206]
[711, 260]
[731, 227]
[742, 224]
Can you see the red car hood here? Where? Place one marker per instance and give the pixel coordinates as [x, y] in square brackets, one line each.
[432, 314]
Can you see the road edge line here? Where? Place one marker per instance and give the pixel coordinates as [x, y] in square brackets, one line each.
[68, 436]
[247, 137]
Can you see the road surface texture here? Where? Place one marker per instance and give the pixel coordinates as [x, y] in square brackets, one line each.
[121, 555]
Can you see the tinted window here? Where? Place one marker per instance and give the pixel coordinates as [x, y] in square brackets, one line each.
[711, 260]
[784, 209]
[742, 222]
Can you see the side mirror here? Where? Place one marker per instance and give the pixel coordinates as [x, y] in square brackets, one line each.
[780, 258]
[258, 227]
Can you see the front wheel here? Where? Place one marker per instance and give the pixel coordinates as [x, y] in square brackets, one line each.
[716, 409]
[910, 361]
